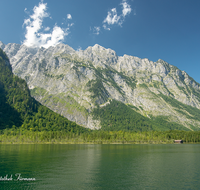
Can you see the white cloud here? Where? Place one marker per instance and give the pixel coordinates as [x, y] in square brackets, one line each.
[126, 8]
[69, 16]
[47, 29]
[96, 30]
[34, 37]
[113, 18]
[25, 10]
[54, 38]
[71, 24]
[105, 27]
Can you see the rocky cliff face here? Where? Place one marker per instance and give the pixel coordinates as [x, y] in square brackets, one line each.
[73, 82]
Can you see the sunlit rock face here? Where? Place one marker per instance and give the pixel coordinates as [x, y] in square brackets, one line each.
[72, 83]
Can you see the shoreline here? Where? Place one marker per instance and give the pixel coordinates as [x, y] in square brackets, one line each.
[17, 136]
[93, 143]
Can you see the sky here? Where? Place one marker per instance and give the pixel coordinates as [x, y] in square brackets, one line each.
[153, 29]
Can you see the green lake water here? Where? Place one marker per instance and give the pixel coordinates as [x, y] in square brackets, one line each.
[104, 167]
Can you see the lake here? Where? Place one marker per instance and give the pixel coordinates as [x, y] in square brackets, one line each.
[175, 166]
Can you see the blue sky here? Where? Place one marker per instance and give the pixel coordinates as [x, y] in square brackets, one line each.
[153, 29]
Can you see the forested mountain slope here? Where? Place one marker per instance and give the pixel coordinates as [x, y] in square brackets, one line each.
[19, 109]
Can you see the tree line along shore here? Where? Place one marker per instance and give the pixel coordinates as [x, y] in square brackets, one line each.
[23, 136]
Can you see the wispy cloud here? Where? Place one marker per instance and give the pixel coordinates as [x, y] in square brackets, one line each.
[96, 30]
[47, 29]
[37, 38]
[126, 8]
[105, 27]
[134, 12]
[113, 17]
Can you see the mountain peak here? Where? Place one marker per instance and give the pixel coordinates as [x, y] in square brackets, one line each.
[2, 45]
[161, 61]
[97, 46]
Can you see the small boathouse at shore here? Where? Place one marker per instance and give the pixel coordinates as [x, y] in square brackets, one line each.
[178, 141]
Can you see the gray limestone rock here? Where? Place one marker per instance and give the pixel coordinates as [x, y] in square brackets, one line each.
[72, 83]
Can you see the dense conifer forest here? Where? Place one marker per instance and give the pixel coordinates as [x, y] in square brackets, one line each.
[117, 116]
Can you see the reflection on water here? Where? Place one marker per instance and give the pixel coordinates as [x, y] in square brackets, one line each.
[101, 166]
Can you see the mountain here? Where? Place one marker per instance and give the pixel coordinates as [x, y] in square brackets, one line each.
[80, 84]
[19, 109]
